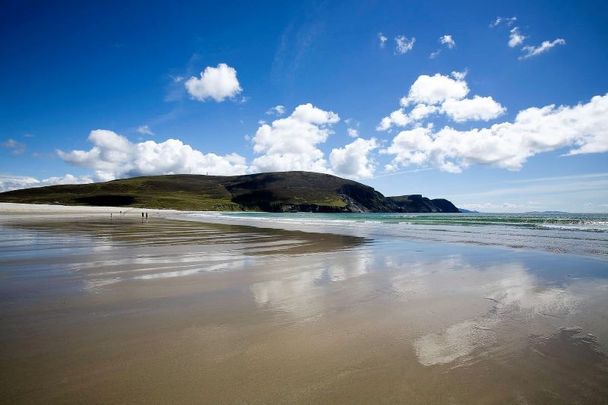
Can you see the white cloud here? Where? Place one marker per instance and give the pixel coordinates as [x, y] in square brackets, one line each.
[382, 38]
[218, 83]
[459, 75]
[441, 94]
[16, 147]
[516, 38]
[435, 89]
[448, 41]
[353, 159]
[276, 110]
[583, 128]
[476, 108]
[352, 127]
[113, 156]
[177, 79]
[8, 183]
[530, 51]
[508, 21]
[421, 111]
[144, 130]
[290, 143]
[435, 54]
[404, 44]
[397, 118]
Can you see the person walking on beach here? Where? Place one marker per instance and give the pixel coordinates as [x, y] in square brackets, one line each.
[146, 216]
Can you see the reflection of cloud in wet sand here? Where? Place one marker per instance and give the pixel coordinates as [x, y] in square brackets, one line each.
[294, 293]
[516, 295]
[521, 292]
[456, 341]
[176, 266]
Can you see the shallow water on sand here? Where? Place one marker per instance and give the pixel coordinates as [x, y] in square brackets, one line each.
[107, 311]
[581, 234]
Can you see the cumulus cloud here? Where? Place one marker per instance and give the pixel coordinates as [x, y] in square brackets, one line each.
[448, 41]
[476, 108]
[8, 183]
[218, 83]
[16, 147]
[353, 160]
[276, 110]
[435, 89]
[404, 44]
[530, 51]
[582, 128]
[113, 156]
[291, 143]
[382, 39]
[288, 143]
[440, 94]
[398, 118]
[516, 38]
[144, 130]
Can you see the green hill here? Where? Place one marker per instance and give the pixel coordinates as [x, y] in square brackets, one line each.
[275, 192]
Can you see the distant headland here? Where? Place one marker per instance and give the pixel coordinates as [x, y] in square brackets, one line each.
[273, 192]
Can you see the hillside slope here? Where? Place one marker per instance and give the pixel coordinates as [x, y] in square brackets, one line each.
[418, 203]
[275, 192]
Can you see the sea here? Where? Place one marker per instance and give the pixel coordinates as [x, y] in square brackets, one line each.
[579, 234]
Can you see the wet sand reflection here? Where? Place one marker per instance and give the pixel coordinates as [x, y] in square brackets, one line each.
[171, 311]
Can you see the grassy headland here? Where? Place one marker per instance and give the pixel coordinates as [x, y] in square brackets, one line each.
[276, 192]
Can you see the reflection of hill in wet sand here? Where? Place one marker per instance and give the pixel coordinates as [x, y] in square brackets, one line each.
[163, 232]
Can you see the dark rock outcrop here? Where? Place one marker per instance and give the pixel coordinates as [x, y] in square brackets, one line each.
[418, 203]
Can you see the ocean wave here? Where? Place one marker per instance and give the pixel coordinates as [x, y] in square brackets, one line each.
[590, 222]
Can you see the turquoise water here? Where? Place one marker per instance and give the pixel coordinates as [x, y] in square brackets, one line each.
[584, 222]
[583, 234]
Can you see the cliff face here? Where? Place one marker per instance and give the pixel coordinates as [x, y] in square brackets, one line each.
[273, 192]
[418, 203]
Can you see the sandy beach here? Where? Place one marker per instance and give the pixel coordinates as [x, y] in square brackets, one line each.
[96, 309]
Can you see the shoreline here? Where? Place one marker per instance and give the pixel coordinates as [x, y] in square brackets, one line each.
[583, 244]
[52, 209]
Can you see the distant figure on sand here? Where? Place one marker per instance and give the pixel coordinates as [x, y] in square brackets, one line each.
[146, 216]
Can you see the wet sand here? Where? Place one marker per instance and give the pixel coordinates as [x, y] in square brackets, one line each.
[164, 311]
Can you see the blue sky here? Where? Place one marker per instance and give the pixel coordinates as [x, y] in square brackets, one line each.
[96, 90]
